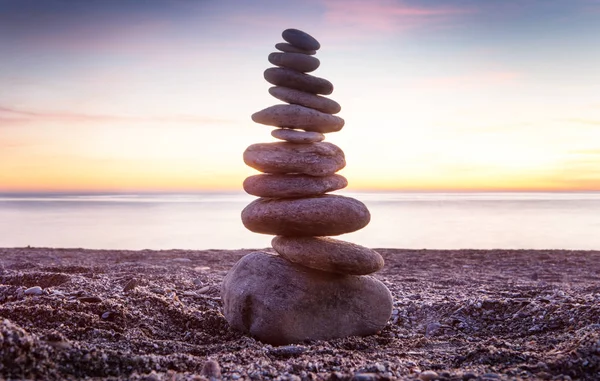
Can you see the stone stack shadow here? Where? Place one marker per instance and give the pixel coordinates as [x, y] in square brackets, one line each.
[317, 287]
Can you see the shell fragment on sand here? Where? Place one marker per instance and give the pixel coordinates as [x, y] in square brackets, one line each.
[288, 186]
[280, 76]
[316, 159]
[302, 98]
[326, 215]
[298, 117]
[328, 254]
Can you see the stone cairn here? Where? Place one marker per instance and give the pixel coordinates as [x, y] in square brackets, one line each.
[316, 287]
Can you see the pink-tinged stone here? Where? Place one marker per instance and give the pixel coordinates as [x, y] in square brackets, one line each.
[280, 76]
[289, 48]
[316, 159]
[328, 254]
[298, 117]
[289, 186]
[326, 105]
[298, 137]
[295, 61]
[300, 39]
[326, 215]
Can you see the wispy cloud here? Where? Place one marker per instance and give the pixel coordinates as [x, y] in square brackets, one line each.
[12, 115]
[584, 121]
[386, 15]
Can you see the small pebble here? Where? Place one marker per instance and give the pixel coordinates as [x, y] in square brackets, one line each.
[428, 375]
[130, 285]
[288, 350]
[365, 377]
[35, 290]
[469, 376]
[203, 290]
[211, 370]
[89, 299]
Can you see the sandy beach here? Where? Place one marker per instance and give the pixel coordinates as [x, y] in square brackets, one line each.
[155, 315]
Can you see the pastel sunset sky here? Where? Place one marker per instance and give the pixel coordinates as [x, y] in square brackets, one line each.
[124, 95]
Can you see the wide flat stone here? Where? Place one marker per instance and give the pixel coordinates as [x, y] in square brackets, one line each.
[287, 186]
[295, 61]
[326, 105]
[280, 303]
[300, 39]
[298, 137]
[326, 215]
[298, 117]
[289, 48]
[328, 254]
[280, 76]
[316, 159]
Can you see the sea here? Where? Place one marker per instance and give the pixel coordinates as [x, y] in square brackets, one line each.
[197, 221]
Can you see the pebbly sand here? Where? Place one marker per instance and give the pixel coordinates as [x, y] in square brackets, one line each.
[155, 315]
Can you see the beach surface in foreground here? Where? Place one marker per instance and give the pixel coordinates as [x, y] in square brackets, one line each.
[155, 315]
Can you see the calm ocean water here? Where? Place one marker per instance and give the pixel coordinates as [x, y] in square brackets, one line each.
[212, 221]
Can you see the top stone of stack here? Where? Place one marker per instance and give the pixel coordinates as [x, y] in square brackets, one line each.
[301, 40]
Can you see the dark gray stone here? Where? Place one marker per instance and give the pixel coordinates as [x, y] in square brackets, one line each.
[289, 48]
[317, 102]
[295, 61]
[328, 254]
[298, 117]
[280, 76]
[280, 303]
[316, 159]
[287, 186]
[300, 39]
[326, 215]
[298, 137]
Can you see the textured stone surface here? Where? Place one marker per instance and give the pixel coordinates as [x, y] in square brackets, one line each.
[295, 61]
[316, 159]
[286, 186]
[326, 215]
[305, 99]
[280, 76]
[299, 117]
[328, 254]
[289, 48]
[281, 303]
[295, 136]
[300, 39]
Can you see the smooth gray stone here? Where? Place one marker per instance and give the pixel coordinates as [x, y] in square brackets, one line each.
[328, 254]
[280, 76]
[298, 117]
[317, 102]
[316, 159]
[287, 186]
[295, 61]
[318, 216]
[298, 137]
[300, 39]
[289, 48]
[280, 303]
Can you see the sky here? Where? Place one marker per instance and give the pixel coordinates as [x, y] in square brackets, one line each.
[437, 95]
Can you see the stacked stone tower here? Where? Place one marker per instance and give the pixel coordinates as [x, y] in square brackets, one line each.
[316, 287]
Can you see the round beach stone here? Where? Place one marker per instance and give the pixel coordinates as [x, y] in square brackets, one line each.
[298, 137]
[300, 39]
[305, 99]
[289, 48]
[326, 215]
[280, 76]
[328, 254]
[280, 303]
[316, 159]
[287, 186]
[295, 61]
[298, 117]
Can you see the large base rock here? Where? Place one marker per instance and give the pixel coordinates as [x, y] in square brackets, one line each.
[281, 303]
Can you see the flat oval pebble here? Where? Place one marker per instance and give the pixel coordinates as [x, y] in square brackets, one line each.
[316, 159]
[317, 102]
[289, 48]
[295, 61]
[326, 215]
[298, 137]
[287, 186]
[300, 39]
[280, 76]
[328, 254]
[281, 303]
[298, 117]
